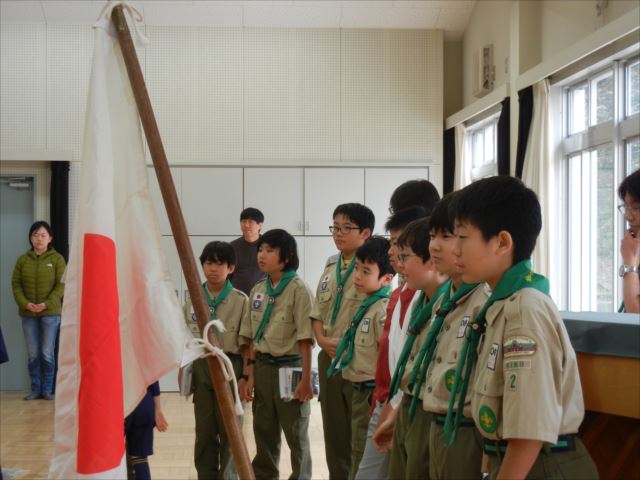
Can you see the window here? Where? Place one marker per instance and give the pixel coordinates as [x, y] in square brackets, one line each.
[483, 148]
[600, 146]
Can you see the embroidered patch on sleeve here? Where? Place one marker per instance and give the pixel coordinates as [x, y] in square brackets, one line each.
[463, 326]
[325, 283]
[493, 356]
[258, 298]
[519, 346]
[517, 364]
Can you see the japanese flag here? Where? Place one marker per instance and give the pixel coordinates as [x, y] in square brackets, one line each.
[122, 325]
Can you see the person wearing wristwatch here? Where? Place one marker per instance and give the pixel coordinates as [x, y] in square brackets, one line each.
[629, 192]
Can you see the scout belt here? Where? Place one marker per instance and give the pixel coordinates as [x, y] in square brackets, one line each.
[272, 360]
[464, 421]
[362, 386]
[565, 443]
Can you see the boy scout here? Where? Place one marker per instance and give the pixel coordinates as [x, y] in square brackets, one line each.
[336, 303]
[441, 347]
[405, 432]
[277, 325]
[212, 455]
[526, 398]
[358, 348]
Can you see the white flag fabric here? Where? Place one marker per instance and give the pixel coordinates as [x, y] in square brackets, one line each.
[122, 326]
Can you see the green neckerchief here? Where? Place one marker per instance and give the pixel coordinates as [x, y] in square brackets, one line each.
[272, 294]
[420, 314]
[519, 276]
[621, 308]
[344, 353]
[214, 302]
[341, 280]
[423, 359]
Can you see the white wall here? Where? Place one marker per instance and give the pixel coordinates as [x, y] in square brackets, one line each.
[241, 95]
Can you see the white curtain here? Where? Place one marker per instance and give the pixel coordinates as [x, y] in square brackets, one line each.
[462, 173]
[537, 172]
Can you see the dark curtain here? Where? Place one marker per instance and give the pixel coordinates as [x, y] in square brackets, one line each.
[59, 203]
[504, 136]
[525, 100]
[448, 160]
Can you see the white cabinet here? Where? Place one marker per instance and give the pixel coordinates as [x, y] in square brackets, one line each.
[380, 184]
[156, 196]
[276, 192]
[317, 250]
[324, 190]
[212, 200]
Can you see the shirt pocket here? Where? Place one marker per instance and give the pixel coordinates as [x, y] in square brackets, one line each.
[486, 404]
[282, 330]
[325, 297]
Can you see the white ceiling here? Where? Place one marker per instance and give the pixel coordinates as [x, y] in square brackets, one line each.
[451, 16]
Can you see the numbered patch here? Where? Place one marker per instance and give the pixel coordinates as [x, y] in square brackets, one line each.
[366, 324]
[519, 346]
[463, 326]
[512, 382]
[324, 285]
[493, 356]
[258, 298]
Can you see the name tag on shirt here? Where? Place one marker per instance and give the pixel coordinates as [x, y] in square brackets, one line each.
[463, 326]
[493, 356]
[366, 323]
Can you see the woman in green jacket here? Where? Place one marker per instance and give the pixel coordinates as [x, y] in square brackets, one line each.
[37, 289]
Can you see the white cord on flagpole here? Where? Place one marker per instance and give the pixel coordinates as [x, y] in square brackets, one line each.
[136, 16]
[223, 359]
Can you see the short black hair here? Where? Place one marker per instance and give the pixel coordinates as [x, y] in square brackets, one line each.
[37, 226]
[443, 215]
[501, 203]
[251, 213]
[416, 237]
[357, 213]
[630, 186]
[414, 192]
[376, 250]
[404, 217]
[222, 252]
[284, 241]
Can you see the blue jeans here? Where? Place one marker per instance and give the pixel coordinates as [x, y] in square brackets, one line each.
[40, 335]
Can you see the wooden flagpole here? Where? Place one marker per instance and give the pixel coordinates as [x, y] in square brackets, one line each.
[179, 230]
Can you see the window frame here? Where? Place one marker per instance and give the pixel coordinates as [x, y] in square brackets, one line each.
[617, 131]
[485, 169]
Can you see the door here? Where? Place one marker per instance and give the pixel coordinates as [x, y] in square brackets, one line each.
[16, 216]
[276, 192]
[324, 190]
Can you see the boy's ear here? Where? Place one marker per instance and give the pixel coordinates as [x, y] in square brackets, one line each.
[366, 233]
[504, 243]
[387, 278]
[232, 268]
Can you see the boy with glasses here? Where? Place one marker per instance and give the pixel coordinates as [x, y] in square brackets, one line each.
[629, 192]
[335, 305]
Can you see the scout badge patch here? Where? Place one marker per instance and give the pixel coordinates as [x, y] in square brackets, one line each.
[487, 419]
[257, 301]
[519, 346]
[325, 283]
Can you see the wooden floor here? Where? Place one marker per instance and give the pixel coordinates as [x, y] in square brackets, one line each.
[26, 439]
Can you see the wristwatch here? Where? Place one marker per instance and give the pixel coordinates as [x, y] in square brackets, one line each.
[624, 269]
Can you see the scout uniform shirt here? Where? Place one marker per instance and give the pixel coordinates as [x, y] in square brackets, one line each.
[415, 349]
[326, 297]
[362, 367]
[527, 383]
[442, 371]
[289, 321]
[231, 312]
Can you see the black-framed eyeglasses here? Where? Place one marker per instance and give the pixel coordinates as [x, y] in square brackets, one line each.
[623, 209]
[346, 230]
[402, 257]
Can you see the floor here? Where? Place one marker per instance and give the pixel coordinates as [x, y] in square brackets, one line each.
[26, 439]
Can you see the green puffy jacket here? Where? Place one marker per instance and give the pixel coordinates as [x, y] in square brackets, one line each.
[38, 279]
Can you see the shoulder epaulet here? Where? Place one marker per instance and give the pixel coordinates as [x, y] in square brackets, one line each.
[262, 280]
[332, 260]
[240, 292]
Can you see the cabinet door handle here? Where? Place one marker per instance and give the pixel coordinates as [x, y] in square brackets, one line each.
[300, 226]
[306, 225]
